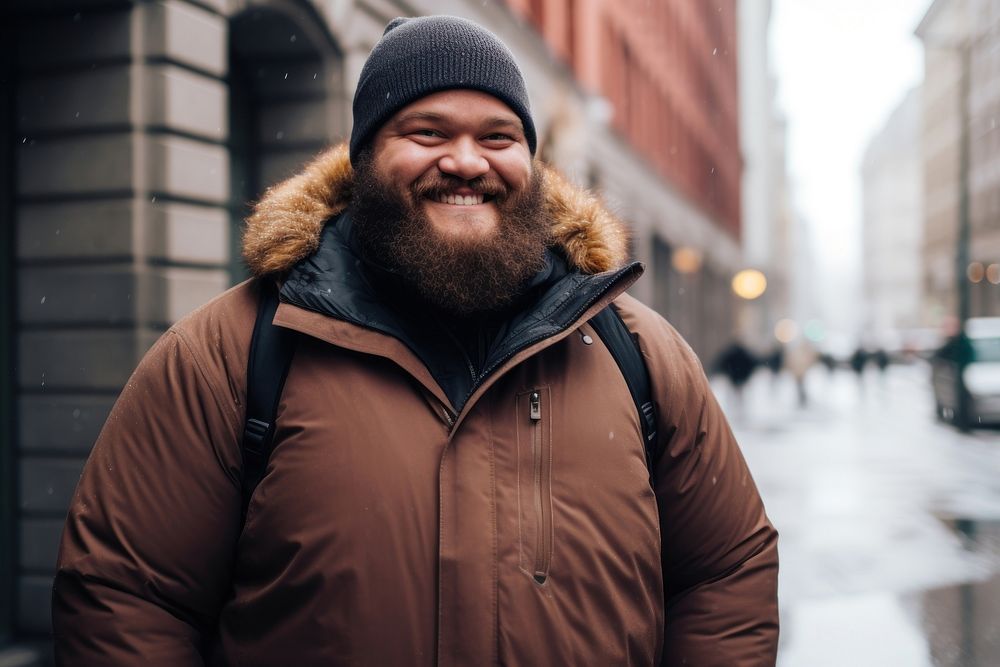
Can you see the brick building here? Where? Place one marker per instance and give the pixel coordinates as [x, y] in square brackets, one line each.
[138, 130]
[667, 73]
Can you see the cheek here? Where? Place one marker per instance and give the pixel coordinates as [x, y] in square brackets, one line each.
[405, 165]
[515, 171]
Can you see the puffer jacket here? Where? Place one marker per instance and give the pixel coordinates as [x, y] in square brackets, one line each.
[394, 528]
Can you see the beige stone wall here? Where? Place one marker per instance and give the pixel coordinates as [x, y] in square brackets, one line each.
[941, 131]
[984, 175]
[125, 204]
[950, 27]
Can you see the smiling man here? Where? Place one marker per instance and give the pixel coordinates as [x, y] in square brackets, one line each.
[452, 201]
[453, 470]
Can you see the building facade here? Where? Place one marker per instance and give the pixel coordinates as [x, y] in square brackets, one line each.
[984, 158]
[892, 226]
[139, 130]
[766, 222]
[961, 138]
[653, 123]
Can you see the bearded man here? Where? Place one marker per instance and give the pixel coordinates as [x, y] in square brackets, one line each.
[458, 474]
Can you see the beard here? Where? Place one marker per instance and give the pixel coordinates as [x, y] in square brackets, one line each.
[459, 275]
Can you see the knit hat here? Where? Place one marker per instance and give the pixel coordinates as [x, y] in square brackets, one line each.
[420, 56]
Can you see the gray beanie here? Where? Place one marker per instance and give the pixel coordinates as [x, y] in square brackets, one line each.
[420, 56]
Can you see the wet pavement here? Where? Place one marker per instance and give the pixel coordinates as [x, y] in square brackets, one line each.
[889, 520]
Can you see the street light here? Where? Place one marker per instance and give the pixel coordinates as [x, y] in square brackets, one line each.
[686, 260]
[749, 284]
[962, 414]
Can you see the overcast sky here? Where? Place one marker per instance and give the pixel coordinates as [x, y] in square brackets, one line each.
[842, 67]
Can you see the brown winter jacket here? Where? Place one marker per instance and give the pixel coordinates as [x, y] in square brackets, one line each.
[390, 530]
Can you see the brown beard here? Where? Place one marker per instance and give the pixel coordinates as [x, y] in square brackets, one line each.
[460, 276]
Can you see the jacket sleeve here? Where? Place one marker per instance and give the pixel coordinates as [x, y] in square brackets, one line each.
[145, 559]
[719, 550]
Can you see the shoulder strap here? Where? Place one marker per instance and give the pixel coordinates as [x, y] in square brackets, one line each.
[624, 347]
[271, 350]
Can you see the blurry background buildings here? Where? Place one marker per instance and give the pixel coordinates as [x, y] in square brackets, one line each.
[949, 132]
[932, 170]
[767, 227]
[892, 180]
[133, 134]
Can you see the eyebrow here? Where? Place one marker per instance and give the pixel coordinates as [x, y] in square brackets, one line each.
[430, 116]
[418, 115]
[503, 121]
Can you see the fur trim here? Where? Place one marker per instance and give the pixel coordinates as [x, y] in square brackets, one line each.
[285, 225]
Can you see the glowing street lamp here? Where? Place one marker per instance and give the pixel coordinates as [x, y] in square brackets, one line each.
[686, 260]
[749, 284]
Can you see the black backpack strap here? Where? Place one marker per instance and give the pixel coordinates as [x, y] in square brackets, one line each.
[624, 347]
[271, 349]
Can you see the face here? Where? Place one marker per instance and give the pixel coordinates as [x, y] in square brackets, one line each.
[457, 154]
[446, 198]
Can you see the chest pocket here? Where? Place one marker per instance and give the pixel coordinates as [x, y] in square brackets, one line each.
[534, 482]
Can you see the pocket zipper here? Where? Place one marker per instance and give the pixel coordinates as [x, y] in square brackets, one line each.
[541, 537]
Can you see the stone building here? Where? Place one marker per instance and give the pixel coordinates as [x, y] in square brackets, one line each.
[892, 225]
[984, 169]
[766, 225]
[138, 130]
[961, 102]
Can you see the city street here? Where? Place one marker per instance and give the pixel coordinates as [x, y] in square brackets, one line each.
[889, 521]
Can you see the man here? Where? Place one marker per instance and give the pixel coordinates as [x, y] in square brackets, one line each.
[458, 473]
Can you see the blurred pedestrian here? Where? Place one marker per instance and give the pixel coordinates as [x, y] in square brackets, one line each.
[455, 474]
[829, 362]
[881, 359]
[857, 362]
[799, 358]
[775, 359]
[738, 364]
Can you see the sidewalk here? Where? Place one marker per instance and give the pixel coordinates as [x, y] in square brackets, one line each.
[884, 516]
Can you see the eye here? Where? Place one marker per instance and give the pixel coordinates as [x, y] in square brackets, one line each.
[426, 132]
[499, 137]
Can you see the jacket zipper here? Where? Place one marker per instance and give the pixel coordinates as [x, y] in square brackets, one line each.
[598, 293]
[542, 541]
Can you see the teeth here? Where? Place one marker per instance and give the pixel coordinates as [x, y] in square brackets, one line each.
[460, 200]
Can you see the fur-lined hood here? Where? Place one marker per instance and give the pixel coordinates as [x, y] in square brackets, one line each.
[285, 225]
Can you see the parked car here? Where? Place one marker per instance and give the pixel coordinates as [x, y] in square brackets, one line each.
[979, 352]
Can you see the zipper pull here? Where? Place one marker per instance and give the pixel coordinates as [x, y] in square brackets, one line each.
[535, 402]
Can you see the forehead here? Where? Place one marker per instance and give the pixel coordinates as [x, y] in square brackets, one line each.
[457, 106]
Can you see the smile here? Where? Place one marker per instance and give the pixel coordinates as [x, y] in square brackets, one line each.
[460, 200]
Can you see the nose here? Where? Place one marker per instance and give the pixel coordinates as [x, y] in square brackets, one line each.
[463, 159]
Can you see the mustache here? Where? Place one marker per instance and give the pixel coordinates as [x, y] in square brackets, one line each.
[433, 185]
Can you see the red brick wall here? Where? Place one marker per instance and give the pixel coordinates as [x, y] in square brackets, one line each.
[669, 69]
